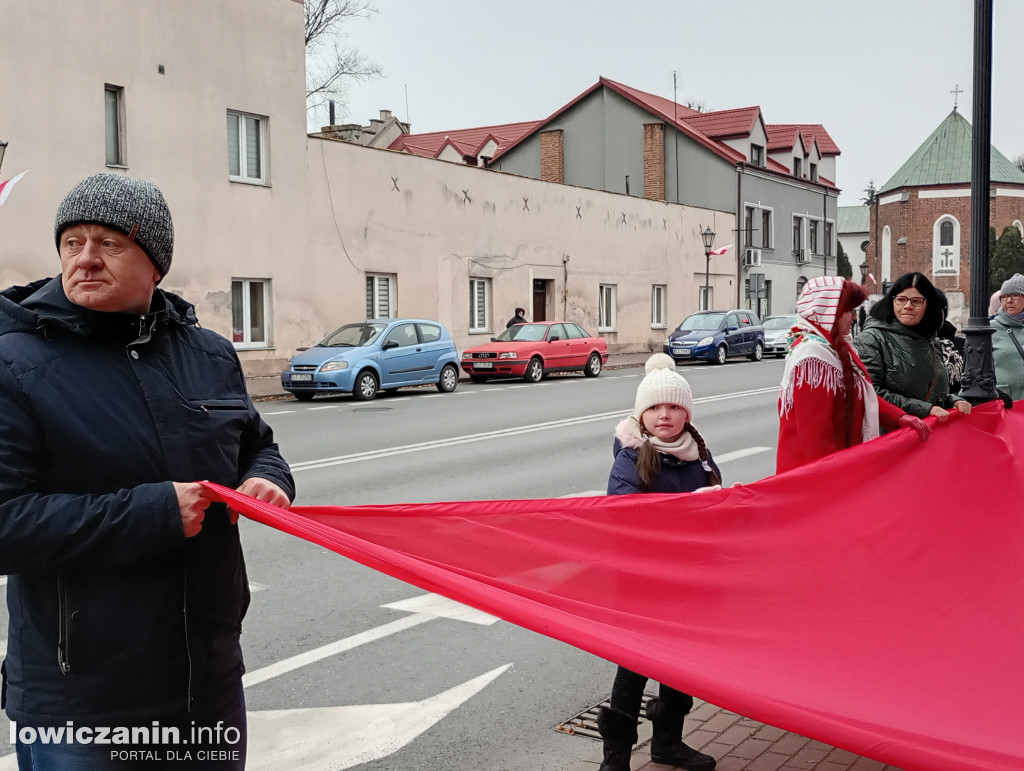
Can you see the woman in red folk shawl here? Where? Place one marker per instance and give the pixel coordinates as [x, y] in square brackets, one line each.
[827, 402]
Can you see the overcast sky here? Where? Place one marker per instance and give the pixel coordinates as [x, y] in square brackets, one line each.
[877, 73]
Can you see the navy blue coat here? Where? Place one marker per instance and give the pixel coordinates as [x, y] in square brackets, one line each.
[114, 615]
[675, 476]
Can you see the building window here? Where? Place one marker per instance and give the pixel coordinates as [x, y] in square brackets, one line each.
[814, 172]
[828, 239]
[380, 302]
[606, 308]
[798, 235]
[946, 246]
[705, 296]
[114, 119]
[757, 155]
[246, 147]
[812, 239]
[250, 301]
[748, 226]
[479, 304]
[766, 229]
[886, 254]
[800, 284]
[658, 292]
[798, 168]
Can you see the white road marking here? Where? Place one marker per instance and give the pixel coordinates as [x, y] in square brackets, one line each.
[3, 580]
[279, 412]
[255, 587]
[335, 738]
[441, 607]
[358, 457]
[325, 407]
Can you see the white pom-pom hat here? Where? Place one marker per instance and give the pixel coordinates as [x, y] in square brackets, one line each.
[663, 385]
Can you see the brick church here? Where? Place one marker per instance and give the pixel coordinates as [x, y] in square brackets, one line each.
[921, 218]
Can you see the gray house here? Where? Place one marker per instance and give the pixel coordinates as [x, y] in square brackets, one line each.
[777, 179]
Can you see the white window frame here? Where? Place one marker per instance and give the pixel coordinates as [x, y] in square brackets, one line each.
[943, 265]
[814, 235]
[659, 294]
[373, 308]
[479, 317]
[245, 333]
[886, 254]
[606, 315]
[242, 139]
[705, 293]
[115, 126]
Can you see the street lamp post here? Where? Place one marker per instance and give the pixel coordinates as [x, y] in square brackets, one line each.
[864, 272]
[979, 382]
[708, 237]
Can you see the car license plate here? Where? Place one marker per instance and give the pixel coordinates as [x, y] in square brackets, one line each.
[483, 365]
[681, 351]
[301, 377]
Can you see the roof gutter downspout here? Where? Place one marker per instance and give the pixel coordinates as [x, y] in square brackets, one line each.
[824, 230]
[739, 245]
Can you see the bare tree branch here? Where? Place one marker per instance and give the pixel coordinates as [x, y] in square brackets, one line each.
[331, 62]
[1018, 161]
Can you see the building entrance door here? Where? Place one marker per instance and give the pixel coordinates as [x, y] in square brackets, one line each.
[541, 287]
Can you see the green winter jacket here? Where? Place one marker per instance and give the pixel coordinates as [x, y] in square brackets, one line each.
[1008, 360]
[906, 368]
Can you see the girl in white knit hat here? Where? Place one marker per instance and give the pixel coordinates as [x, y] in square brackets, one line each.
[657, 450]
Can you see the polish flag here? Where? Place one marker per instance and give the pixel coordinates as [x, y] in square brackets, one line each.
[8, 186]
[871, 276]
[721, 250]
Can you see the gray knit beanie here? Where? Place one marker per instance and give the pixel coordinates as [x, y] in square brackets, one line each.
[135, 207]
[1013, 285]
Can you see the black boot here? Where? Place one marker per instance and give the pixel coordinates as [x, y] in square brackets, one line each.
[618, 732]
[667, 714]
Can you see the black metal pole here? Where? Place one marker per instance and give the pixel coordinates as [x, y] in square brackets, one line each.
[979, 383]
[707, 278]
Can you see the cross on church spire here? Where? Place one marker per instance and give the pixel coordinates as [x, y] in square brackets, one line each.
[956, 95]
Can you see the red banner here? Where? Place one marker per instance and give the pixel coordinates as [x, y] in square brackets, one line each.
[873, 600]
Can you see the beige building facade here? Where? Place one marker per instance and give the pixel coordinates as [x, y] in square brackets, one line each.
[281, 237]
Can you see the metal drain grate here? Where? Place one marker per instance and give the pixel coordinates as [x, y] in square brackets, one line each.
[585, 723]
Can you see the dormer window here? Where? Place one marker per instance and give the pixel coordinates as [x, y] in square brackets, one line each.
[757, 155]
[798, 167]
[814, 172]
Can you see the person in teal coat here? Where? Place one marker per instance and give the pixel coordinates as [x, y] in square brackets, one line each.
[1008, 340]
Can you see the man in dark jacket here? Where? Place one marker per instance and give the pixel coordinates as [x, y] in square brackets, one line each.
[519, 318]
[127, 583]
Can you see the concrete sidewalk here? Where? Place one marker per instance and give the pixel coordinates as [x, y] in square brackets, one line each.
[268, 387]
[741, 744]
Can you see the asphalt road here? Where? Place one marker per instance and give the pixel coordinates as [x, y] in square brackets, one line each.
[336, 680]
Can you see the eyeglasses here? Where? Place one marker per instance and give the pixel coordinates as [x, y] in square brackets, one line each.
[1014, 296]
[915, 302]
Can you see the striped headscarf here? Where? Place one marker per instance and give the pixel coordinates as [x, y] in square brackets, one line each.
[819, 301]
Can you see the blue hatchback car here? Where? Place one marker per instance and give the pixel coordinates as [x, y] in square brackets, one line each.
[715, 335]
[368, 356]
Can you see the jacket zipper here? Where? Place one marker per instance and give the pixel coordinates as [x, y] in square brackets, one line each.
[188, 650]
[64, 639]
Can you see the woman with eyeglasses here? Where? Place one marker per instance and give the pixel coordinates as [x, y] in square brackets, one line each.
[1008, 340]
[900, 349]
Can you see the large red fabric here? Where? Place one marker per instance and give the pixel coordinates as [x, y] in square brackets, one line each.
[873, 600]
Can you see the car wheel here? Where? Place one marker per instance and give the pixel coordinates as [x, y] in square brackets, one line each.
[302, 396]
[478, 378]
[449, 379]
[593, 368]
[720, 355]
[366, 386]
[758, 352]
[534, 371]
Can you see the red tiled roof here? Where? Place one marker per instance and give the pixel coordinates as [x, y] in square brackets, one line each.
[774, 165]
[811, 131]
[723, 124]
[826, 181]
[467, 141]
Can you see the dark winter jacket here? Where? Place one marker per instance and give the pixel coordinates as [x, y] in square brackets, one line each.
[675, 476]
[114, 615]
[906, 368]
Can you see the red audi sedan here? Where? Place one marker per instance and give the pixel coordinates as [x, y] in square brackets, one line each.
[535, 349]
